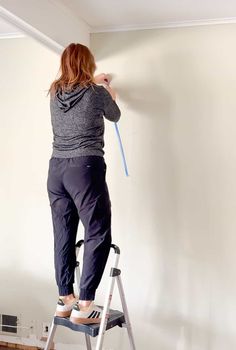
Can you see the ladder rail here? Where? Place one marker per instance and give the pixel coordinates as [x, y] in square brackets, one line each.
[106, 308]
[50, 336]
[77, 267]
[126, 313]
[88, 342]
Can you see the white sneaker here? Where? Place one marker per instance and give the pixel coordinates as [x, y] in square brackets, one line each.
[91, 315]
[64, 309]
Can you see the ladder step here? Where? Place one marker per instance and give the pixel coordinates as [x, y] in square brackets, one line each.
[116, 318]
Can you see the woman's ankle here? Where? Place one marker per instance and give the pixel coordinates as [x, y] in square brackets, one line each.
[67, 298]
[85, 303]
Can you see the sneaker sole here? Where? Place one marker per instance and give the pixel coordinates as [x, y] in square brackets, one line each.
[63, 313]
[77, 320]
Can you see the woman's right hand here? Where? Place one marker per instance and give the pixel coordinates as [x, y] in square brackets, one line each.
[101, 79]
[105, 80]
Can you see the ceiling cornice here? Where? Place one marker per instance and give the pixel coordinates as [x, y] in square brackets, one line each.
[28, 29]
[179, 24]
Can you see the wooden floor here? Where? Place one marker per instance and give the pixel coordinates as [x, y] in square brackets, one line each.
[12, 346]
[17, 347]
[9, 348]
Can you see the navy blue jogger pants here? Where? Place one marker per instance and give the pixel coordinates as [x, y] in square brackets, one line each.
[77, 190]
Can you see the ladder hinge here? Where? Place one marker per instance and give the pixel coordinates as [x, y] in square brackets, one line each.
[115, 272]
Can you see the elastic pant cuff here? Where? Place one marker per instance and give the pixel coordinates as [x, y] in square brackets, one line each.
[87, 294]
[66, 290]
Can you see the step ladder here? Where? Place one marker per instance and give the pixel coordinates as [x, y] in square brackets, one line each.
[110, 318]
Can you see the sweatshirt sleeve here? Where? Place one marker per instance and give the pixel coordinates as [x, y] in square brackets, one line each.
[110, 108]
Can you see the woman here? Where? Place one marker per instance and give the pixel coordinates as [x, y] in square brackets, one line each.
[76, 182]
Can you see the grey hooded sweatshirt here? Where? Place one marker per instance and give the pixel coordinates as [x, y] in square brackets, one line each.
[77, 120]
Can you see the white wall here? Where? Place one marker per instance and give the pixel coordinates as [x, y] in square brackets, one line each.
[173, 218]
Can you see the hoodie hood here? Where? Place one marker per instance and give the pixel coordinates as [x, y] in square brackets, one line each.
[67, 99]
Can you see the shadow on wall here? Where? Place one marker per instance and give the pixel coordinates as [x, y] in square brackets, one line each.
[150, 101]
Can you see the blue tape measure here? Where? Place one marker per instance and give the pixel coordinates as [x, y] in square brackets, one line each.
[121, 149]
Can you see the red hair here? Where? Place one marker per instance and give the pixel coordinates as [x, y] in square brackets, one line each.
[77, 67]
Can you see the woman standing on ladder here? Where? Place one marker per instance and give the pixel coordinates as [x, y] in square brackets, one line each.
[76, 182]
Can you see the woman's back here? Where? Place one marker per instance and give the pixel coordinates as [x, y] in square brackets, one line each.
[77, 120]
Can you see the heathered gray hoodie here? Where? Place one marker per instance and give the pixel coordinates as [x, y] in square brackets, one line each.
[77, 120]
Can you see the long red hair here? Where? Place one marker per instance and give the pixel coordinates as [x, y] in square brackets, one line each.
[77, 67]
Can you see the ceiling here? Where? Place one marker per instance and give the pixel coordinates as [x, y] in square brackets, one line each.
[134, 14]
[115, 15]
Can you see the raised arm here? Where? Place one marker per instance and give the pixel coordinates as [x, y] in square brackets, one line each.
[110, 108]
